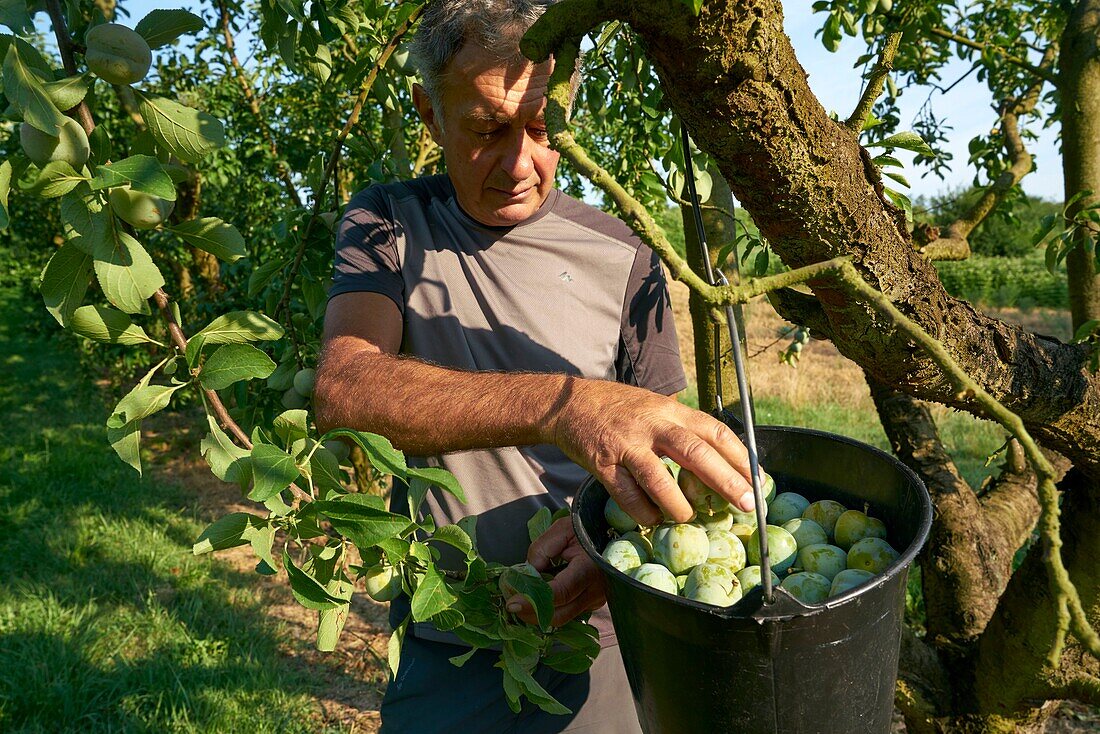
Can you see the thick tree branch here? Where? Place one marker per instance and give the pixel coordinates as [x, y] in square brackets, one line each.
[1043, 73]
[924, 687]
[875, 82]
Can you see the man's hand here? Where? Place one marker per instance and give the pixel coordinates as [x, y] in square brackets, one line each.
[577, 588]
[618, 433]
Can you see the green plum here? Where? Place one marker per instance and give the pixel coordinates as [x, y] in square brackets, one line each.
[339, 449]
[743, 532]
[782, 548]
[746, 518]
[717, 521]
[655, 576]
[854, 526]
[709, 573]
[704, 499]
[720, 595]
[872, 554]
[786, 507]
[623, 555]
[117, 54]
[825, 514]
[768, 489]
[749, 576]
[292, 400]
[141, 210]
[849, 579]
[726, 549]
[70, 144]
[680, 547]
[672, 466]
[303, 381]
[806, 532]
[641, 542]
[824, 559]
[618, 519]
[681, 581]
[808, 587]
[383, 583]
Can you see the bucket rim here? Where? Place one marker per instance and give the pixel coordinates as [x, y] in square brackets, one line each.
[787, 606]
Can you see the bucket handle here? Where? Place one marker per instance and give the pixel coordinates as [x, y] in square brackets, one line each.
[743, 390]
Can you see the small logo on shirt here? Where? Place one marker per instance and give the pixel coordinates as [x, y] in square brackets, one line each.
[566, 277]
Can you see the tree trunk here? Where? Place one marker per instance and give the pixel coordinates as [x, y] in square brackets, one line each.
[1079, 83]
[719, 230]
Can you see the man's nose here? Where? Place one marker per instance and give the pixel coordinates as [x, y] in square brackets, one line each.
[516, 160]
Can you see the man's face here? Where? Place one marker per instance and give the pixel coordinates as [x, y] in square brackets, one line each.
[493, 135]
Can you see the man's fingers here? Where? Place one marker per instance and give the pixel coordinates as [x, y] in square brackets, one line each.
[652, 476]
[550, 544]
[574, 580]
[580, 605]
[630, 497]
[701, 458]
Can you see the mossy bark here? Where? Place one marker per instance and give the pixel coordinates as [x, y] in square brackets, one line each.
[718, 227]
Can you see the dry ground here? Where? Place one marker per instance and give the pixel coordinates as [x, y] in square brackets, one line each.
[353, 678]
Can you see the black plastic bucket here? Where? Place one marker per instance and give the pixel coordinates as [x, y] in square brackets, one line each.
[784, 667]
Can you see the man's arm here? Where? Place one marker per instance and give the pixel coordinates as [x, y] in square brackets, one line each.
[616, 432]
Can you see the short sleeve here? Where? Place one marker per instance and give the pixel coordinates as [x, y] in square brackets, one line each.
[649, 353]
[366, 249]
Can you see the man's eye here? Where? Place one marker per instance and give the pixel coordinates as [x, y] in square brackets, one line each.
[486, 134]
[538, 132]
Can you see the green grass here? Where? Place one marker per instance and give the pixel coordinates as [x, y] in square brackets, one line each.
[107, 621]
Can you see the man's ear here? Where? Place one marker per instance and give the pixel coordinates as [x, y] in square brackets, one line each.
[428, 113]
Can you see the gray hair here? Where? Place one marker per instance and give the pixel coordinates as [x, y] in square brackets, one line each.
[493, 25]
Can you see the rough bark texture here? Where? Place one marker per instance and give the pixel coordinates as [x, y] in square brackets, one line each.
[719, 230]
[1080, 86]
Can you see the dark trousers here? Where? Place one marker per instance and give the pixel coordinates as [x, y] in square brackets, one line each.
[430, 696]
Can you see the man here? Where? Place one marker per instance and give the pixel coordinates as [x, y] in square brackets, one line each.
[487, 323]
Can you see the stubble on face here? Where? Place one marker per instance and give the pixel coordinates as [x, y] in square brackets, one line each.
[494, 138]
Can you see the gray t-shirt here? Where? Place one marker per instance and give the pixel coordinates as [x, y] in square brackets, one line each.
[570, 290]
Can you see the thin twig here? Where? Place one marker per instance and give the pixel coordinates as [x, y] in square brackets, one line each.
[1011, 58]
[882, 69]
[65, 47]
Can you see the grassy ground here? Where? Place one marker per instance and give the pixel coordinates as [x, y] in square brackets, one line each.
[107, 622]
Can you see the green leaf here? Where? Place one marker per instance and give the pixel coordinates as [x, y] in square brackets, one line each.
[84, 216]
[230, 531]
[125, 271]
[393, 649]
[897, 177]
[381, 453]
[1085, 330]
[142, 172]
[885, 159]
[108, 325]
[65, 280]
[185, 132]
[70, 91]
[162, 27]
[439, 477]
[364, 525]
[5, 189]
[459, 660]
[234, 362]
[235, 327]
[272, 471]
[14, 14]
[534, 691]
[291, 425]
[307, 590]
[227, 460]
[330, 623]
[535, 590]
[211, 234]
[454, 536]
[262, 275]
[539, 523]
[56, 178]
[319, 64]
[907, 140]
[141, 402]
[24, 89]
[432, 595]
[1046, 226]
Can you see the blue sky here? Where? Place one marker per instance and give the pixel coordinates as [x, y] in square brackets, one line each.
[837, 84]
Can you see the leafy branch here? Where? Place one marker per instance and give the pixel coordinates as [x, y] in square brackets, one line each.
[875, 82]
[1040, 71]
